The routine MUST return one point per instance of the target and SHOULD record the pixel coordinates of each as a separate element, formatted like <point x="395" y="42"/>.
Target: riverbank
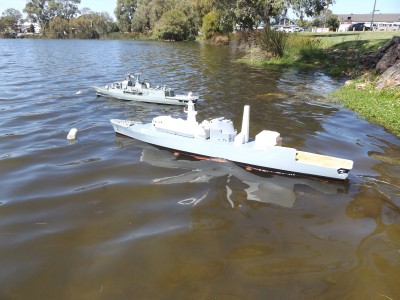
<point x="362" y="93"/>
<point x="343" y="54"/>
<point x="378" y="107"/>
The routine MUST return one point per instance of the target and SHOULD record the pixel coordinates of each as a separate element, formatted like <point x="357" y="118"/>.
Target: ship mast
<point x="243" y="136"/>
<point x="191" y="112"/>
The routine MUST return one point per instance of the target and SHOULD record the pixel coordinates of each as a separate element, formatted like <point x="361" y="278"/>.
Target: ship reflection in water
<point x="271" y="189"/>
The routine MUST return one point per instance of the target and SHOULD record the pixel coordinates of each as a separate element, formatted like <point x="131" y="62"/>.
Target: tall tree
<point x="309" y="8"/>
<point x="91" y="25"/>
<point x="41" y="11"/>
<point x="67" y="9"/>
<point x="124" y="12"/>
<point x="58" y="28"/>
<point x="141" y="20"/>
<point x="10" y="18"/>
<point x="103" y="23"/>
<point x="148" y="13"/>
<point x="250" y="11"/>
<point x="173" y="25"/>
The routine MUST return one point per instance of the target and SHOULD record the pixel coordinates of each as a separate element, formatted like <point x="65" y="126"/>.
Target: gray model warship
<point x="132" y="89"/>
<point x="218" y="140"/>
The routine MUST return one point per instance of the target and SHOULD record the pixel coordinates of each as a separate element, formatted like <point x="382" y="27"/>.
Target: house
<point x="285" y="21"/>
<point x="380" y="21"/>
<point x="28" y="27"/>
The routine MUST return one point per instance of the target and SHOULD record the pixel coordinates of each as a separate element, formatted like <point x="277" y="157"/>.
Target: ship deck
<point x="324" y="160"/>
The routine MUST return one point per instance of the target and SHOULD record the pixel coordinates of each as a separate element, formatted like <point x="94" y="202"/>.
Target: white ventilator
<point x="243" y="136"/>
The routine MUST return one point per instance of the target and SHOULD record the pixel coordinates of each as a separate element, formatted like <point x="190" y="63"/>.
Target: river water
<point x="106" y="217"/>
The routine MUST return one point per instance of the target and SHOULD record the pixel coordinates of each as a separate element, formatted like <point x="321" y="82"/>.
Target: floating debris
<point x="72" y="134"/>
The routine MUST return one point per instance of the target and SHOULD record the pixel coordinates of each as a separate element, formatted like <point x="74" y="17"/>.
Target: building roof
<point x="360" y="18"/>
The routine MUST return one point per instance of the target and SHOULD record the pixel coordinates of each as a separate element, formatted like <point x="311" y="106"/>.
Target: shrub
<point x="244" y="39"/>
<point x="307" y="48"/>
<point x="273" y="41"/>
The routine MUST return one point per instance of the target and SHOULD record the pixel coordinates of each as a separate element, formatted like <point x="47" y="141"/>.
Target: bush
<point x="244" y="39"/>
<point x="174" y="25"/>
<point x="82" y="28"/>
<point x="9" y="35"/>
<point x="274" y="41"/>
<point x="307" y="48"/>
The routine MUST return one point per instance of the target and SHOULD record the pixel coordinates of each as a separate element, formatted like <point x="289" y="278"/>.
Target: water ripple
<point x="114" y="217"/>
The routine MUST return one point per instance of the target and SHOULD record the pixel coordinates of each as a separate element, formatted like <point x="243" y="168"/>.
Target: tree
<point x="173" y="26"/>
<point x="246" y="13"/>
<point x="301" y="22"/>
<point x="326" y="19"/>
<point x="141" y="19"/>
<point x="188" y="8"/>
<point x="81" y="27"/>
<point x="91" y="25"/>
<point x="154" y="10"/>
<point x="102" y="23"/>
<point x="124" y="12"/>
<point x="309" y="8"/>
<point x="59" y="27"/>
<point x="203" y="7"/>
<point x="213" y="23"/>
<point x="249" y="12"/>
<point x="10" y="19"/>
<point x="333" y="22"/>
<point x="86" y="11"/>
<point x="149" y="12"/>
<point x="67" y="9"/>
<point x="317" y="22"/>
<point x="210" y="24"/>
<point x="41" y="11"/>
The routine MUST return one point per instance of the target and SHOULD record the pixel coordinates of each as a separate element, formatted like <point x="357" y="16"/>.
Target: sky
<point x="341" y="6"/>
<point x="365" y="6"/>
<point x="94" y="5"/>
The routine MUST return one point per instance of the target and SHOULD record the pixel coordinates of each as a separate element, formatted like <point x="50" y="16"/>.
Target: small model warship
<point x="217" y="139"/>
<point x="132" y="89"/>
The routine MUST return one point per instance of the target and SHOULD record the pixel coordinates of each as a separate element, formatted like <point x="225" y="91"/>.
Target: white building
<point x="25" y="27"/>
<point x="380" y="21"/>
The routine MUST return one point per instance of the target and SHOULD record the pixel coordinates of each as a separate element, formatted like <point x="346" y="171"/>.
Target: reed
<point x="274" y="42"/>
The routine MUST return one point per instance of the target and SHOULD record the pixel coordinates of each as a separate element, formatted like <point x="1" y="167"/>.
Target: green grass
<point x="335" y="39"/>
<point x="346" y="52"/>
<point x="379" y="107"/>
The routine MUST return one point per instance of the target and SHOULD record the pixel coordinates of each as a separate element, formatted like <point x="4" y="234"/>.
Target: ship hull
<point x="276" y="159"/>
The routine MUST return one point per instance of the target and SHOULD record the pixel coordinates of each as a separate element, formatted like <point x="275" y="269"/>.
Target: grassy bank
<point x="378" y="107"/>
<point x="343" y="54"/>
<point x="346" y="53"/>
<point x="339" y="53"/>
